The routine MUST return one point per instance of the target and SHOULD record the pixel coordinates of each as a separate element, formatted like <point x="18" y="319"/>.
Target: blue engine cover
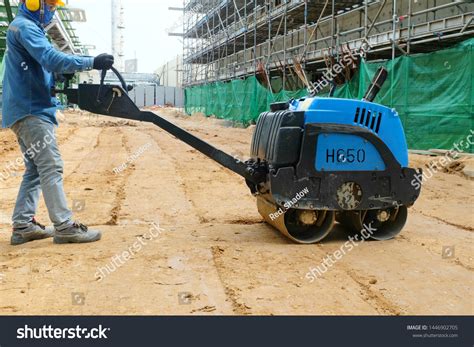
<point x="343" y="152"/>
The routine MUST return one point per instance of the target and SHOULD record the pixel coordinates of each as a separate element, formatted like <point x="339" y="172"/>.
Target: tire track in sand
<point x="94" y="147"/>
<point x="238" y="307"/>
<point x="120" y="194"/>
<point x="375" y="299"/>
<point x="206" y="183"/>
<point x="92" y="165"/>
<point x="464" y="227"/>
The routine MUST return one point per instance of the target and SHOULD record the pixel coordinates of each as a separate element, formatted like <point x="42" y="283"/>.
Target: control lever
<point x="125" y="87"/>
<point x="122" y="80"/>
<point x="102" y="80"/>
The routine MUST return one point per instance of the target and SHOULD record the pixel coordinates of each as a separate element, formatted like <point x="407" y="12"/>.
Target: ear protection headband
<point x="34" y="5"/>
<point x="41" y="5"/>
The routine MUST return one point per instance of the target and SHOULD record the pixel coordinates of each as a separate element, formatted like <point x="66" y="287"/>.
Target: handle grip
<point x="103" y="74"/>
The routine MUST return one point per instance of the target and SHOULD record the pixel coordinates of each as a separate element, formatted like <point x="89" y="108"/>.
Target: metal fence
<point x="149" y="95"/>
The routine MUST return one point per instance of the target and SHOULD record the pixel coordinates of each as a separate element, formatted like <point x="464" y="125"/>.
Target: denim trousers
<point x="44" y="170"/>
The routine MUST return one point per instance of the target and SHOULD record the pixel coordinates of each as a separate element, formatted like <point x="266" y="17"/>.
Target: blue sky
<point x="146" y="23"/>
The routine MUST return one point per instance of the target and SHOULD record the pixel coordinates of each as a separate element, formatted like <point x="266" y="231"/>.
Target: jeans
<point x="44" y="172"/>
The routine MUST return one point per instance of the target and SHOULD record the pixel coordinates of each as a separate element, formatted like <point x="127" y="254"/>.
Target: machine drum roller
<point x="313" y="161"/>
<point x="350" y="157"/>
<point x="387" y="222"/>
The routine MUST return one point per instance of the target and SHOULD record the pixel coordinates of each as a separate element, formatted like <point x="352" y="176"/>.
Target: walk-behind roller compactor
<point x="313" y="161"/>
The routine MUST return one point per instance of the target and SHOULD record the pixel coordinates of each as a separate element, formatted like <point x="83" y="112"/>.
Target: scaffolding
<point x="289" y="43"/>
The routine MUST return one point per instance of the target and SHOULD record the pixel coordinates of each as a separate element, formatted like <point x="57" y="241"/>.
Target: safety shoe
<point x="76" y="233"/>
<point x="35" y="231"/>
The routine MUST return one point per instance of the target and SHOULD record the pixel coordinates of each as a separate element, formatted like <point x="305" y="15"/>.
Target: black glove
<point x="103" y="62"/>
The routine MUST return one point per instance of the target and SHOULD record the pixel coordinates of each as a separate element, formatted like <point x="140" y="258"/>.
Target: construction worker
<point x="30" y="111"/>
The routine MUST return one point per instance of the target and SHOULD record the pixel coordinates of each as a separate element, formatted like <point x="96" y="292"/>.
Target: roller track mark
<point x="463" y="227"/>
<point x="238" y="307"/>
<point x="374" y="298"/>
<point x="467" y="267"/>
<point x="244" y="221"/>
<point x="196" y="131"/>
<point x="96" y="145"/>
<point x="187" y="186"/>
<point x="456" y="261"/>
<point x="120" y="195"/>
<point x="61" y="139"/>
<point x="184" y="185"/>
<point x="115" y="212"/>
<point x="114" y="179"/>
<point x="9" y="309"/>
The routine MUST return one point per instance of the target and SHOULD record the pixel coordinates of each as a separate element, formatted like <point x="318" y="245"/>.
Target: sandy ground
<point x="198" y="245"/>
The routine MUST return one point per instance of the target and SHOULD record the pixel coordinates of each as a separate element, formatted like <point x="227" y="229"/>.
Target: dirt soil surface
<point x="182" y="235"/>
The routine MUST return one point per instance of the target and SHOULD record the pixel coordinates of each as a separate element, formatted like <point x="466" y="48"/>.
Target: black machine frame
<point x="382" y="189"/>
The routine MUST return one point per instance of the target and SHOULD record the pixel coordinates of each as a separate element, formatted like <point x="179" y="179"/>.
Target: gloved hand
<point x="103" y="62"/>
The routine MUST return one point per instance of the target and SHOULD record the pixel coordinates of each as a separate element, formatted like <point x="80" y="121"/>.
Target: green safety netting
<point x="433" y="93"/>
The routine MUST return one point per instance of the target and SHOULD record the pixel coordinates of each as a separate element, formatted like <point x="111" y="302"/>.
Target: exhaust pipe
<point x="376" y="85"/>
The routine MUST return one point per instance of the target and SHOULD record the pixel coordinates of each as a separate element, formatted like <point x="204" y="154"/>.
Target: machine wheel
<point x="308" y="226"/>
<point x="301" y="226"/>
<point x="387" y="223"/>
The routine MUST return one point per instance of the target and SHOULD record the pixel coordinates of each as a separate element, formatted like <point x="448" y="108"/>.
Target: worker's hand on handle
<point x="103" y="62"/>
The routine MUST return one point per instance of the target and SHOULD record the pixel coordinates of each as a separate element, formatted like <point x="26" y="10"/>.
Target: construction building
<point x="171" y="73"/>
<point x="242" y="55"/>
<point x="230" y="39"/>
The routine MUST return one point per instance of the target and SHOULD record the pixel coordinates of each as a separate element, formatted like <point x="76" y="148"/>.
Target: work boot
<point x="76" y="233"/>
<point x="35" y="231"/>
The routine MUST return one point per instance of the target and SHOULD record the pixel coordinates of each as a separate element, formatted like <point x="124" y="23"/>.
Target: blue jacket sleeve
<point x="38" y="46"/>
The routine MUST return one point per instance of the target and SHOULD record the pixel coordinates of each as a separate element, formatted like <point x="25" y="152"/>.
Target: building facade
<point x="296" y="40"/>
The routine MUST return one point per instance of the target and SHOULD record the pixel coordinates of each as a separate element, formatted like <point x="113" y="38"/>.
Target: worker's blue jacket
<point x="30" y="60"/>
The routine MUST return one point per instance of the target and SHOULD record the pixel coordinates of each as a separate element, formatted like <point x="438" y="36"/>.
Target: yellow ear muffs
<point x="33" y="5"/>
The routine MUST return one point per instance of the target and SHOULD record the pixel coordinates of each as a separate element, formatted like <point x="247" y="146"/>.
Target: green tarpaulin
<point x="433" y="93"/>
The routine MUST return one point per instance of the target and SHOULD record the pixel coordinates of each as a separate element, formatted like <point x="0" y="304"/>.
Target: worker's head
<point x="42" y="10"/>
